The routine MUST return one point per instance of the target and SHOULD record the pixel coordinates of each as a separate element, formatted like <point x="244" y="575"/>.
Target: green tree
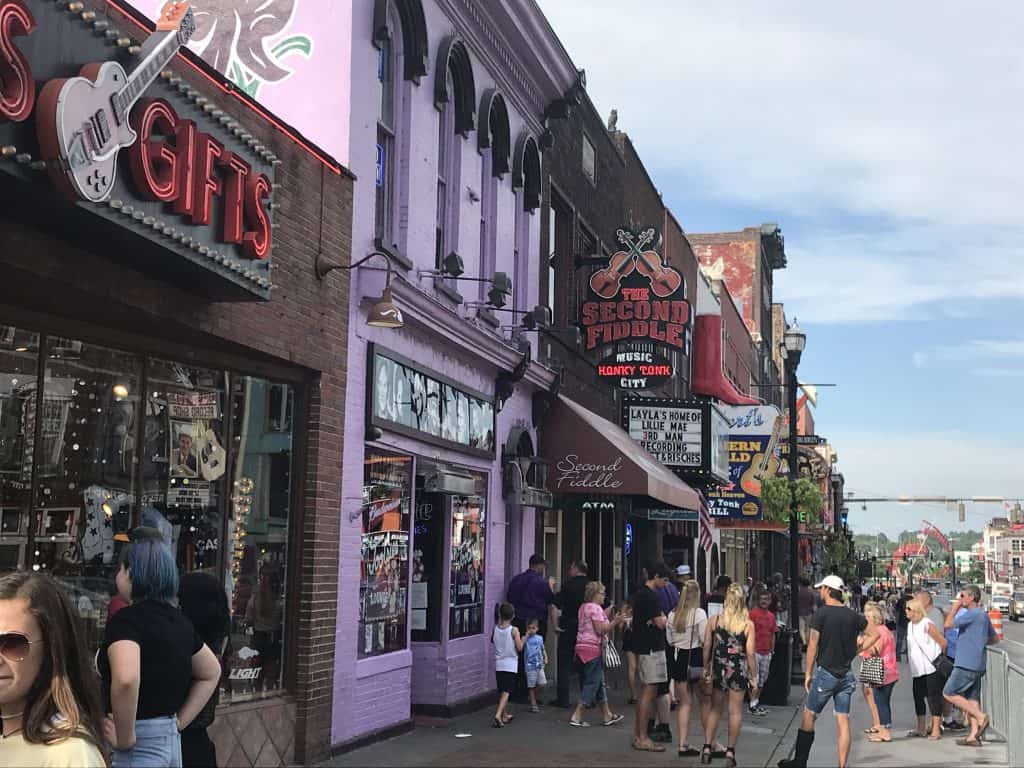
<point x="776" y="500"/>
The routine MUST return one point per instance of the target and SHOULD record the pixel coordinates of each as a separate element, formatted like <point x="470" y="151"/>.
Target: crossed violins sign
<point x="636" y="298"/>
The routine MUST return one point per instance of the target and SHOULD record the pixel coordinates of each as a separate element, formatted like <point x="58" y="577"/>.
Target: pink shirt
<point x="886" y="648"/>
<point x="588" y="642"/>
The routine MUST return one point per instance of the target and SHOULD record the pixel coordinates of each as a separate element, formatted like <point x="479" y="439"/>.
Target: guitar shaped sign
<point x="83" y="121"/>
<point x="763" y="465"/>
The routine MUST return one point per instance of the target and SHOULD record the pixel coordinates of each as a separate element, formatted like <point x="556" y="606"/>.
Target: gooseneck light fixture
<point x="384" y="313"/>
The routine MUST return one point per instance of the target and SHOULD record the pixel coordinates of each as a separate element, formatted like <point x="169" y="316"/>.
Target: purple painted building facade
<point x="448" y="103"/>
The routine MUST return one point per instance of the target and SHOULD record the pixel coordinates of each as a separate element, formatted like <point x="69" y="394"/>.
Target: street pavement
<point x="546" y="739"/>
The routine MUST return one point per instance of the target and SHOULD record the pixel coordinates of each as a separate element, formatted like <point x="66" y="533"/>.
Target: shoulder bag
<point x="942" y="663"/>
<point x="609" y="653"/>
<point x="872" y="670"/>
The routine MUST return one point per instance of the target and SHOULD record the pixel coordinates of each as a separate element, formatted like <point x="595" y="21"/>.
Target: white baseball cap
<point x="832" y="582"/>
<point x="683" y="570"/>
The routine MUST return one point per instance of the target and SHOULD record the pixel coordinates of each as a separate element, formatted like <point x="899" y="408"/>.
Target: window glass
<point x="185" y="462"/>
<point x="19" y="358"/>
<point x="257" y="527"/>
<point x="86" y="471"/>
<point x="466" y="598"/>
<point x="384" y="574"/>
<point x="589" y="160"/>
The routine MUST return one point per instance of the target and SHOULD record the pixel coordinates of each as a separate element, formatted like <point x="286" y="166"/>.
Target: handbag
<point x="872" y="671"/>
<point x="943" y="665"/>
<point x="610" y="653"/>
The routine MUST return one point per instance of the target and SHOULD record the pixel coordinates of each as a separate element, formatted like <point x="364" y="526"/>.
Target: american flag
<point x="705" y="525"/>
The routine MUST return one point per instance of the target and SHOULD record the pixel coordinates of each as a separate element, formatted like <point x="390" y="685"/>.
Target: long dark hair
<point x="64" y="700"/>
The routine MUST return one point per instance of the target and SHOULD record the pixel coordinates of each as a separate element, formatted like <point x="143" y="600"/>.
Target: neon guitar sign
<point x="84" y="121"/>
<point x="636" y="297"/>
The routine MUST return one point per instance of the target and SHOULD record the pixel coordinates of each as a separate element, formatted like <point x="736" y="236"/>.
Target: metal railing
<point x="1002" y="698"/>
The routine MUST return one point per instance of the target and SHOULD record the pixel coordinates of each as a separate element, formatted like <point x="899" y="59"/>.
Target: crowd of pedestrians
<point x="708" y="654"/>
<point x="149" y="693"/>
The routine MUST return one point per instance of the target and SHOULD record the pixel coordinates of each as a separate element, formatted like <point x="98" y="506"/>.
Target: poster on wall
<point x="466" y="586"/>
<point x="278" y="52"/>
<point x="754" y="433"/>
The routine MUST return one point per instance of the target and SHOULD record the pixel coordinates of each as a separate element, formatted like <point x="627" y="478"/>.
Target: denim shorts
<point x="964" y="682"/>
<point x="825" y="686"/>
<point x="157" y="745"/>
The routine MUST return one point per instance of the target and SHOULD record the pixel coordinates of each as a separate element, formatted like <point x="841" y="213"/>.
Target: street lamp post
<point x="793" y="344"/>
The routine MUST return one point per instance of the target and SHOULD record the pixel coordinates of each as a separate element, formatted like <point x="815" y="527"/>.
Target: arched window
<point x="400" y="36"/>
<point x="494" y="130"/>
<point x="455" y="99"/>
<point x="526" y="180"/>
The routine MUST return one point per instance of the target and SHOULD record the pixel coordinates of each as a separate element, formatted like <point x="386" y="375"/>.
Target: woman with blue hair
<point x="157" y="672"/>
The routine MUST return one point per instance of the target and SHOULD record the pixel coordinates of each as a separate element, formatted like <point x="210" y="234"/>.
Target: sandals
<point x="915" y="735"/>
<point x="648" y="746"/>
<point x="497" y="723"/>
<point x="981" y="731"/>
<point x="705" y="755"/>
<point x="880" y="740"/>
<point x="969" y="742"/>
<point x="614" y="719"/>
<point x="730" y="757"/>
<point x="871" y="730"/>
<point x="687" y="751"/>
<point x="579" y="723"/>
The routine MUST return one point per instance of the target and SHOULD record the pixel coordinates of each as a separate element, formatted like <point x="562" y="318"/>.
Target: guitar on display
<point x="84" y="121"/>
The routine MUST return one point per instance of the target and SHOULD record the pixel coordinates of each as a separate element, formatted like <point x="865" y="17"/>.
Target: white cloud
<point x="898" y="116"/>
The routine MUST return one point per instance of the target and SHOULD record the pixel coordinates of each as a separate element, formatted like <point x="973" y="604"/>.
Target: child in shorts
<point x="507" y="647"/>
<point x="535" y="658"/>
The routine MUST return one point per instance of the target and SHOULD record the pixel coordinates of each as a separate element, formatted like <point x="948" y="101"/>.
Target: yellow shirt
<point x="69" y="753"/>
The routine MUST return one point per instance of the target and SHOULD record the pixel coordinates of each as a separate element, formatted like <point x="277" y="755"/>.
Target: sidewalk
<point x="902" y="751"/>
<point x="546" y="739"/>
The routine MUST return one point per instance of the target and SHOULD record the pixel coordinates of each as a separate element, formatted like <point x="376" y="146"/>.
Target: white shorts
<point x="536" y="678"/>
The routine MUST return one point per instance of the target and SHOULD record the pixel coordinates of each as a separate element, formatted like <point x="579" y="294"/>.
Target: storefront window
<point x="384" y="575"/>
<point x="258" y="529"/>
<point x="19" y="360"/>
<point x="204" y="455"/>
<point x="466" y="598"/>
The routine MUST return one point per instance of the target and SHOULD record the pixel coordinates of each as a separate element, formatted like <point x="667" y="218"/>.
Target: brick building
<point x="175" y="360"/>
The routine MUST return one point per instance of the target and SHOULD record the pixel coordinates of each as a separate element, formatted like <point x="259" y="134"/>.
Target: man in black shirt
<point x="569" y="600"/>
<point x="649" y="645"/>
<point x="837" y="635"/>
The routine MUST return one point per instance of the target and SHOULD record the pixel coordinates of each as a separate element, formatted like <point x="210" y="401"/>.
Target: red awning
<point x="708" y="378"/>
<point x="591" y="455"/>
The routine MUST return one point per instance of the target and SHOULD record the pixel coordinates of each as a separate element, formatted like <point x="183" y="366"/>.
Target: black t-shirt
<point x="647" y="638"/>
<point x="838" y="628"/>
<point x="569" y="599"/>
<point x="167" y="642"/>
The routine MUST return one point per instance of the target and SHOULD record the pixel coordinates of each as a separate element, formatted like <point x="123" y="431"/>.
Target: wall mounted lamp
<point x="385" y="313"/>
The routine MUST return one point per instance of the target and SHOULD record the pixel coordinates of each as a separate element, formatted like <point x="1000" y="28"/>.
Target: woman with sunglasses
<point x="49" y="696"/>
<point x="156" y="670"/>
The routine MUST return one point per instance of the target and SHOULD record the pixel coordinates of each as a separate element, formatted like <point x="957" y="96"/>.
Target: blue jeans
<point x="826" y="686"/>
<point x="883" y="696"/>
<point x="157" y="745"/>
<point x="593" y="690"/>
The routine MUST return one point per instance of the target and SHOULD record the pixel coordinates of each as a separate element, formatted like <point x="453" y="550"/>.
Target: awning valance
<point x="590" y="455"/>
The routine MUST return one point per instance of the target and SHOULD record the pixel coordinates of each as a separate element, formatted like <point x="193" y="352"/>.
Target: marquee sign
<point x="754" y="433"/>
<point x="144" y="157"/>
<point x="636" y="298"/>
<point x="690" y="437"/>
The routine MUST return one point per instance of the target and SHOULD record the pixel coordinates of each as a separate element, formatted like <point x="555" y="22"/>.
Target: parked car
<point x="1017" y="606"/>
<point x="1002" y="603"/>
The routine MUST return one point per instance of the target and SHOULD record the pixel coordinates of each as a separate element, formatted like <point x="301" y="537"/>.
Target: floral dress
<point x="729" y="660"/>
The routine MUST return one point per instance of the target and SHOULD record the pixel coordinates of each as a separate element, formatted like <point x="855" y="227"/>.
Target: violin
<point x="664" y="280"/>
<point x="606" y="282"/>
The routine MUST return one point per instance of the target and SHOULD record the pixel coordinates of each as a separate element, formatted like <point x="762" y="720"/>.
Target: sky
<point x="886" y="140"/>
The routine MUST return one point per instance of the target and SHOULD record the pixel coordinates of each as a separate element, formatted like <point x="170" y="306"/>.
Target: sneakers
<point x="534" y="708"/>
<point x="579" y="723"/>
<point x="758" y="711"/>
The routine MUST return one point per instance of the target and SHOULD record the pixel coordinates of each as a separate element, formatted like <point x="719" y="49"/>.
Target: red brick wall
<point x="73" y="285"/>
<point x="739" y="253"/>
